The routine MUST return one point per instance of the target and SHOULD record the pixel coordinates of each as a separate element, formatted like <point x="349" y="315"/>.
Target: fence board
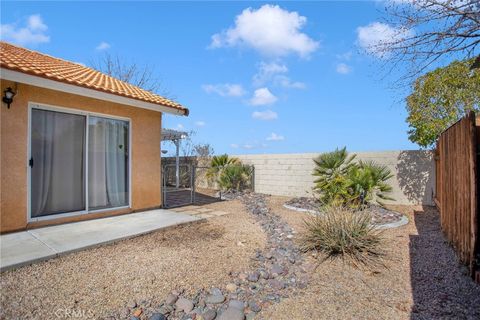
<point x="456" y="188"/>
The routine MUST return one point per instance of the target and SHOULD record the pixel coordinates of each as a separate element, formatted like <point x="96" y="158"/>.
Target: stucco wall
<point x="291" y="174"/>
<point x="145" y="128"/>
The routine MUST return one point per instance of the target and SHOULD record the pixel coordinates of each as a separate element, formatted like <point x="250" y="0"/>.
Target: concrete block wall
<point x="291" y="174"/>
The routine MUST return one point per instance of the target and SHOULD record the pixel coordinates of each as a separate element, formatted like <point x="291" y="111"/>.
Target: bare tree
<point x="427" y="31"/>
<point x="139" y="75"/>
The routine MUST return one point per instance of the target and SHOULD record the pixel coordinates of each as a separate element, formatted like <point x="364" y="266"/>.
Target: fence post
<point x="253" y="178"/>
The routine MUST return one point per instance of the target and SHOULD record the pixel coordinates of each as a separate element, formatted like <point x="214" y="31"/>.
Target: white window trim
<point x="87" y="114"/>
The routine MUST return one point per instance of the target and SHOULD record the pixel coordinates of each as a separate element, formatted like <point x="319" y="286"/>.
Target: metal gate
<point x="178" y="190"/>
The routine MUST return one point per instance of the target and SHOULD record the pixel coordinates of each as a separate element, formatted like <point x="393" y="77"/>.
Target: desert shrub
<point x="342" y="182"/>
<point x="229" y="173"/>
<point x="331" y="181"/>
<point x="368" y="183"/>
<point x="218" y="163"/>
<point x="234" y="177"/>
<point x="344" y="233"/>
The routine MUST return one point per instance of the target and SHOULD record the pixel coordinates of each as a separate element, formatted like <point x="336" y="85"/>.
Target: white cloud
<point x="270" y="30"/>
<point x="180" y="126"/>
<point x="200" y="123"/>
<point x="375" y="37"/>
<point x="262" y="97"/>
<point x="275" y="137"/>
<point x="275" y="73"/>
<point x="285" y="82"/>
<point x="265" y="115"/>
<point x="248" y="146"/>
<point x="225" y="89"/>
<point x="103" y="46"/>
<point x="267" y="71"/>
<point x="234" y="146"/>
<point x="343" y="68"/>
<point x="34" y="31"/>
<point x="345" y="56"/>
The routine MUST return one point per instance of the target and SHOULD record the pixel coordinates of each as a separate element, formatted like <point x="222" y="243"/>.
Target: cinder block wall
<point x="291" y="174"/>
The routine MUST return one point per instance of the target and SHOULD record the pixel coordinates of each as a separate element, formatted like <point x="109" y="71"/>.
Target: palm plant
<point x="372" y="182"/>
<point x="234" y="177"/>
<point x="342" y="182"/>
<point x="218" y="163"/>
<point x="331" y="169"/>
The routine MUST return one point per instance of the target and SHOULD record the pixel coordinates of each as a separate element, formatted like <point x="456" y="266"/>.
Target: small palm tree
<point x="234" y="177"/>
<point x="331" y="169"/>
<point x="217" y="165"/>
<point x="368" y="183"/>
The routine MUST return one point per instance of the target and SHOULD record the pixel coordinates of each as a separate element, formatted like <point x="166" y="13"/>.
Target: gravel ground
<point x="106" y="278"/>
<point x="423" y="279"/>
<point x="379" y="214"/>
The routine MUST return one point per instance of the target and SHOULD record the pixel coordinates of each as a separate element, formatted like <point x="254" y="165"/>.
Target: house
<point x="76" y="144"/>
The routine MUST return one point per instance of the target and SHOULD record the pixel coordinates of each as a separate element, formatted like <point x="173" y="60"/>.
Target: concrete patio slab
<point x="22" y="248"/>
<point x="26" y="247"/>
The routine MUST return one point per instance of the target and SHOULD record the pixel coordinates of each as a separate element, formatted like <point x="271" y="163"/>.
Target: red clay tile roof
<point x="45" y="66"/>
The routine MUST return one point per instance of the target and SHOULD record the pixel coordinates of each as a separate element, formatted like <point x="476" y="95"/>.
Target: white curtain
<point x="108" y="163"/>
<point x="57" y="150"/>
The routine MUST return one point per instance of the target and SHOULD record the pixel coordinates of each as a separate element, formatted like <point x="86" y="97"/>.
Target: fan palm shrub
<point x="218" y="163"/>
<point x="368" y="183"/>
<point x="342" y="182"/>
<point x="331" y="181"/>
<point x="234" y="177"/>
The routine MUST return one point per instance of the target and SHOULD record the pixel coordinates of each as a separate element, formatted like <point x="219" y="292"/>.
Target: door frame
<point x="42" y="106"/>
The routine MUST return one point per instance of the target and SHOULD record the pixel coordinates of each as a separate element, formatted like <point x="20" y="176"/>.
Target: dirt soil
<point x="107" y="278"/>
<point x="423" y="279"/>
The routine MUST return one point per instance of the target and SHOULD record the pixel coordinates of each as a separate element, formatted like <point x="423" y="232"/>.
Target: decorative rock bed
<point x="382" y="218"/>
<point x="275" y="271"/>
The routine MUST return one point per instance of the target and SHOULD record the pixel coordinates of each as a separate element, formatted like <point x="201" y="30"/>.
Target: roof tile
<point x="38" y="64"/>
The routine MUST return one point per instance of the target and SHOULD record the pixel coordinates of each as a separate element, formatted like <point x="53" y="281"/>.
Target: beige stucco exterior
<point x="145" y="126"/>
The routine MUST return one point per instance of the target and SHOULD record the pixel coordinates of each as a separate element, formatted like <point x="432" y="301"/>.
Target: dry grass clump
<point x="344" y="233"/>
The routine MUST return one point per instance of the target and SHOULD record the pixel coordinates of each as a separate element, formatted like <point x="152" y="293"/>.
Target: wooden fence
<point x="457" y="189"/>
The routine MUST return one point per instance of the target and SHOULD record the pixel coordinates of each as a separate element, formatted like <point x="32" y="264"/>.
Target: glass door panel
<point x="108" y="175"/>
<point x="57" y="163"/>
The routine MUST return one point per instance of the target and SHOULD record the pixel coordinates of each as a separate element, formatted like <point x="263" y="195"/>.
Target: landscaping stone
<point x="210" y="314"/>
<point x="254" y="306"/>
<point x="380" y="216"/>
<point x="276" y="284"/>
<point x="171" y="299"/>
<point x="278" y="267"/>
<point x="137" y="312"/>
<point x="157" y="316"/>
<point x="214" y="299"/>
<point x="236" y="304"/>
<point x="232" y="314"/>
<point x="253" y="277"/>
<point x="184" y="304"/>
<point x="216" y="292"/>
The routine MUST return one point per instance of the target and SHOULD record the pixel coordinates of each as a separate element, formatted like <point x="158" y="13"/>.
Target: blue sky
<point x="302" y="83"/>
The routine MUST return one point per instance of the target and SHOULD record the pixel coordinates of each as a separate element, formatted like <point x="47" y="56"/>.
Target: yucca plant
<point x="331" y="170"/>
<point x="344" y="233"/>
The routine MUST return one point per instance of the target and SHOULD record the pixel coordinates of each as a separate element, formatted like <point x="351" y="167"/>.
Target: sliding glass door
<point x="107" y="163"/>
<point x="57" y="162"/>
<point x="79" y="163"/>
